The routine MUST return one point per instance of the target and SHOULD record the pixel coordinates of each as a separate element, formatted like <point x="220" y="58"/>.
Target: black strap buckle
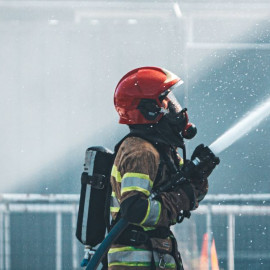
<point x="183" y="214"/>
<point x="97" y="181"/>
<point x="138" y="237"/>
<point x="161" y="263"/>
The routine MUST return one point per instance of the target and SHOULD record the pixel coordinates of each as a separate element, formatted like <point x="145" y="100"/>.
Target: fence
<point x="34" y="203"/>
<point x="40" y="230"/>
<point x="244" y="208"/>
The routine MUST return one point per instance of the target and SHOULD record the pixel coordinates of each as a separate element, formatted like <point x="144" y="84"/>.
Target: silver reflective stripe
<point x="136" y="182"/>
<point x="153" y="213"/>
<point x="130" y="256"/>
<point x="85" y="211"/>
<point x="89" y="161"/>
<point x="114" y="202"/>
<point x="133" y="256"/>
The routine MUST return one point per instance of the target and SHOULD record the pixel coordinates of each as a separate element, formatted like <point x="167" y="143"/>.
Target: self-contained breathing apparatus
<point x="93" y="213"/>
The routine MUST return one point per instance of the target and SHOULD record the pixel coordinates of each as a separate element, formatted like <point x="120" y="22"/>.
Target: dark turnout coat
<point x="134" y="174"/>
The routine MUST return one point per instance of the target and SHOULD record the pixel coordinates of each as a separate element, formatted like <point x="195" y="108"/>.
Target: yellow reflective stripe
<point x="126" y="189"/>
<point x="145" y="228"/>
<point x="170" y="265"/>
<point x="113" y="194"/>
<point x="116" y="174"/>
<point x="181" y="163"/>
<point x="147" y="212"/>
<point x="113" y="250"/>
<point x="167" y="265"/>
<point x="130" y="263"/>
<point x="148" y="228"/>
<point x="139" y="175"/>
<point x="114" y="209"/>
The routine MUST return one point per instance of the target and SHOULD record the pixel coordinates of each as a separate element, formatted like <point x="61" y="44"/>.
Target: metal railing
<point x="60" y="204"/>
<point x="231" y="210"/>
<point x="57" y="204"/>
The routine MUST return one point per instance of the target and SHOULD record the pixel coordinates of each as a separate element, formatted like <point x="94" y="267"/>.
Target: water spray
<point x="236" y="132"/>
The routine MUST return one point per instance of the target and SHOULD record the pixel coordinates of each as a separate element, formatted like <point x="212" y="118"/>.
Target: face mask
<point x="178" y="117"/>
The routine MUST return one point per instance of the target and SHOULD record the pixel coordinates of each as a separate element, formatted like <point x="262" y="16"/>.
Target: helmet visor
<point x="173" y="104"/>
<point x="170" y="104"/>
<point x="174" y="112"/>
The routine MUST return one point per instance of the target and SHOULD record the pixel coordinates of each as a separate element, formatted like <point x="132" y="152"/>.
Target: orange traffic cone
<point x="214" y="258"/>
<point x="204" y="255"/>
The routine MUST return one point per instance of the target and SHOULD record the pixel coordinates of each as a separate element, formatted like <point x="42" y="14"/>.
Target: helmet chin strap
<point x="179" y="144"/>
<point x="170" y="136"/>
<point x="160" y="133"/>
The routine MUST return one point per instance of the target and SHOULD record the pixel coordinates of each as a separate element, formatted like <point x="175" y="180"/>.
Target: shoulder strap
<point x="117" y="146"/>
<point x="164" y="159"/>
<point x="107" y="206"/>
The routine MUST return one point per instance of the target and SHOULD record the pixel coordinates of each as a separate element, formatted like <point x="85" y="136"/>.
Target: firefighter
<point x="146" y="159"/>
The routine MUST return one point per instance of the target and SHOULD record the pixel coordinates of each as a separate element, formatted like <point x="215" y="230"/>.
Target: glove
<point x="88" y="253"/>
<point x="200" y="188"/>
<point x="208" y="162"/>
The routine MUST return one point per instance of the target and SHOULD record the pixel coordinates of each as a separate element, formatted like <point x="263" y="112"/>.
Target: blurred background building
<point x="59" y="64"/>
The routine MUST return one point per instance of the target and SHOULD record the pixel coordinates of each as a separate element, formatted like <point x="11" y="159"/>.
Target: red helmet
<point x="138" y="95"/>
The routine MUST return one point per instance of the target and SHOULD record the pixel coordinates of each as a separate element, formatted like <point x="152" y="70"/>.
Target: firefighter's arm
<point x="138" y="171"/>
<point x="162" y="211"/>
<point x="200" y="187"/>
<point x="184" y="197"/>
